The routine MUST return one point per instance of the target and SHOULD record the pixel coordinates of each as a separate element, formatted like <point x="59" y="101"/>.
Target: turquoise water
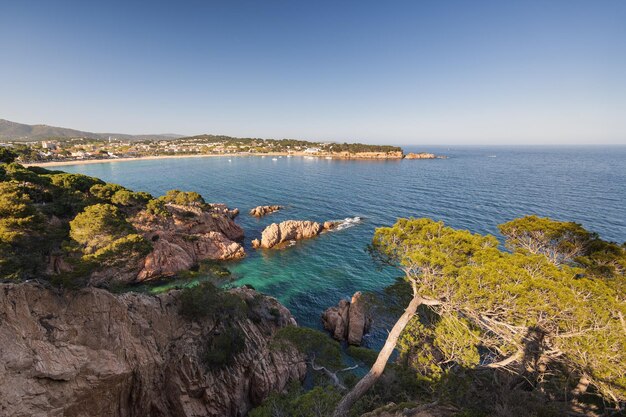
<point x="476" y="188"/>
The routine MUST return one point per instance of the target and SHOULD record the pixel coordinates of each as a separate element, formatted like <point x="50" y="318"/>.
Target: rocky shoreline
<point x="92" y="353"/>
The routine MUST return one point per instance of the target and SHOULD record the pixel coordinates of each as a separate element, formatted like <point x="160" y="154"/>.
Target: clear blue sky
<point x="438" y="72"/>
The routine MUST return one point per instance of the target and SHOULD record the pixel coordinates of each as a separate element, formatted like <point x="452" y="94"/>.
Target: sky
<point x="415" y="72"/>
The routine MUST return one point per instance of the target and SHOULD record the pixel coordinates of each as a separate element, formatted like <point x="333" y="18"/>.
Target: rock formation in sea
<point x="421" y="155"/>
<point x="276" y="234"/>
<point x="261" y="211"/>
<point x="349" y="320"/>
<point x="90" y="353"/>
<point x="189" y="235"/>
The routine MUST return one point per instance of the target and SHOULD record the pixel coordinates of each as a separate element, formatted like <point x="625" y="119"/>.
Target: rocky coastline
<point x="92" y="353"/>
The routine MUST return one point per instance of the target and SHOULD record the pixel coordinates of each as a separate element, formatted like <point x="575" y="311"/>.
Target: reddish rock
<point x="189" y="235"/>
<point x="349" y="320"/>
<point x="261" y="211"/>
<point x="276" y="233"/>
<point x="92" y="353"/>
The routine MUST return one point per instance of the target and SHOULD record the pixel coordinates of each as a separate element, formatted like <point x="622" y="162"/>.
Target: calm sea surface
<point x="476" y="188"/>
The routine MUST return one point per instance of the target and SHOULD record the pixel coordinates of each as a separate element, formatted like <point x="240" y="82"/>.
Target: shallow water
<point x="476" y="188"/>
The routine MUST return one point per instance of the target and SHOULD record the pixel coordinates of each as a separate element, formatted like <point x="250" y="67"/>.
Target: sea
<point x="474" y="188"/>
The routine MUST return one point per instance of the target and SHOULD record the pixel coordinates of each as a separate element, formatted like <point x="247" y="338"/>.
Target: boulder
<point x="349" y="320"/>
<point x="277" y="233"/>
<point x="261" y="211"/>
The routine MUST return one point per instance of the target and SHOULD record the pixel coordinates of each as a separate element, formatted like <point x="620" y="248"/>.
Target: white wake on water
<point x="347" y="222"/>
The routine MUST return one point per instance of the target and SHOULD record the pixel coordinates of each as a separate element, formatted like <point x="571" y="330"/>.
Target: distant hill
<point x="22" y="132"/>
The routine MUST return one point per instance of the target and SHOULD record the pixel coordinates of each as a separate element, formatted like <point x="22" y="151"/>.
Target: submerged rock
<point x="92" y="353"/>
<point x="349" y="320"/>
<point x="278" y="233"/>
<point x="261" y="211"/>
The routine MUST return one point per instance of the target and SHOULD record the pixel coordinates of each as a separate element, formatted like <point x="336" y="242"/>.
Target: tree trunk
<point x="379" y="366"/>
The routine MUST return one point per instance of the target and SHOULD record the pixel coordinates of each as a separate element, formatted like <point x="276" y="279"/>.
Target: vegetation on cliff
<point x="65" y="227"/>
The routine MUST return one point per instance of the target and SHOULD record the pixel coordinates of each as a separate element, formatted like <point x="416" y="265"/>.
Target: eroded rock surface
<point x="90" y="353"/>
<point x="261" y="211"/>
<point x="278" y="233"/>
<point x="189" y="235"/>
<point x="349" y="320"/>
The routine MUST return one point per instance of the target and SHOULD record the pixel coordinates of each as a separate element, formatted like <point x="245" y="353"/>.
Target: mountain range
<point x="22" y="132"/>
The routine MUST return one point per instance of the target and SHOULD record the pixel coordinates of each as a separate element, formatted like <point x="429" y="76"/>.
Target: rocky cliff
<point x="91" y="353"/>
<point x="189" y="235"/>
<point x="349" y="320"/>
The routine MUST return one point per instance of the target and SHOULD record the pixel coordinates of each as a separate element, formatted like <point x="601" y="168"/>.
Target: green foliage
<point x="157" y="208"/>
<point x="604" y="259"/>
<point x="98" y="226"/>
<point x="313" y="343"/>
<point x="75" y="182"/>
<point x="19" y="173"/>
<point x="559" y="241"/>
<point x="124" y="250"/>
<point x="360" y="147"/>
<point x="20" y="228"/>
<point x="224" y="346"/>
<point x="427" y="250"/>
<point x="318" y="402"/>
<point x="525" y="305"/>
<point x="205" y="300"/>
<point x="6" y="155"/>
<point x="183" y="198"/>
<point x="365" y="355"/>
<point x="105" y="191"/>
<point x="129" y="198"/>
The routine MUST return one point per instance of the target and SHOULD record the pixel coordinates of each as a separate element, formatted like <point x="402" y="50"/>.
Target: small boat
<point x="491" y="156"/>
<point x="329" y="157"/>
<point x="289" y="156"/>
<point x="274" y="159"/>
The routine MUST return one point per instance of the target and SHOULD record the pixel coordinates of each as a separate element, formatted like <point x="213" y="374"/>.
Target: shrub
<point x="157" y="208"/>
<point x="223" y="347"/>
<point x="183" y="198"/>
<point x="313" y="343"/>
<point x="105" y="191"/>
<point x="6" y="155"/>
<point x="205" y="300"/>
<point x="77" y="182"/>
<point x="98" y="226"/>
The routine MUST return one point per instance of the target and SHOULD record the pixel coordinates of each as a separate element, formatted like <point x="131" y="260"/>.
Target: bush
<point x="76" y="182"/>
<point x="205" y="300"/>
<point x="105" y="191"/>
<point x="98" y="226"/>
<point x="157" y="207"/>
<point x="183" y="198"/>
<point x="313" y="343"/>
<point x="122" y="251"/>
<point x="6" y="155"/>
<point x="224" y="346"/>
